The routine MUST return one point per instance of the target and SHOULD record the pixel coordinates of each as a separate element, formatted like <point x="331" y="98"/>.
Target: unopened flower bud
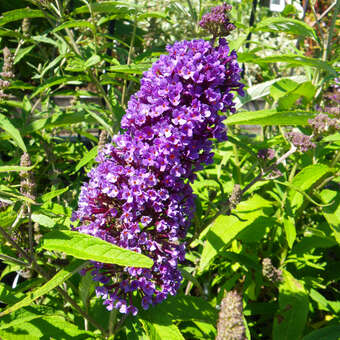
<point x="266" y="154"/>
<point x="322" y="124"/>
<point x="27" y="184"/>
<point x="7" y="68"/>
<point x="25" y="26"/>
<point x="235" y="197"/>
<point x="269" y="272"/>
<point x="230" y="324"/>
<point x="102" y="139"/>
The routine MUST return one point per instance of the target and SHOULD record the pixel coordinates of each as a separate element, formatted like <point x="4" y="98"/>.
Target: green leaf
<point x="56" y="81"/>
<point x="8" y="192"/>
<point x="263" y="89"/>
<point x="184" y="308"/>
<point x="99" y="119"/>
<point x="270" y="117"/>
<point x="9" y="168"/>
<point x="94" y="60"/>
<point x="326" y="333"/>
<point x="304" y="180"/>
<point x="288" y="58"/>
<point x="225" y="228"/>
<point x="158" y="15"/>
<point x="7" y="217"/>
<point x="43" y="220"/>
<point x="89" y="156"/>
<point x="132" y="68"/>
<point x="306" y="89"/>
<point x="114" y="7"/>
<point x="45" y="327"/>
<point x="281" y="87"/>
<point x="159" y="326"/>
<point x="57" y="280"/>
<point x="12" y="131"/>
<point x="8" y="296"/>
<point x="290" y="320"/>
<point x="287" y="25"/>
<point x="19" y="14"/>
<point x="88" y="247"/>
<point x="50" y="195"/>
<point x="74" y="23"/>
<point x="86" y="288"/>
<point x="332" y="212"/>
<point x="290" y="230"/>
<point x="22" y="52"/>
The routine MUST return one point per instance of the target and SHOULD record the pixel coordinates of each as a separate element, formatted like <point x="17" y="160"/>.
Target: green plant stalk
<point x="128" y="62"/>
<point x="327" y="45"/>
<point x="112" y="321"/>
<point x="237" y="164"/>
<point x="42" y="272"/>
<point x="330" y="31"/>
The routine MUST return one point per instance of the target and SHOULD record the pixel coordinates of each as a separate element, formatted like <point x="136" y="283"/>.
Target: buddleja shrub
<point x="183" y="228"/>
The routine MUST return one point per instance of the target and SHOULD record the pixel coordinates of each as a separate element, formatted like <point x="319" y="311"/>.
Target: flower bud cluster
<point x="217" y="21"/>
<point x="27" y="184"/>
<point x="139" y="196"/>
<point x="322" y="124"/>
<point x="301" y="141"/>
<point x="266" y="154"/>
<point x="7" y="72"/>
<point x="271" y="273"/>
<point x="25" y="26"/>
<point x="230" y="322"/>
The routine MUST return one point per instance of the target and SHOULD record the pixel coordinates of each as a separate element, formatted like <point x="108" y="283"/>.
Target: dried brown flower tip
<point x="27" y="184"/>
<point x="7" y="68"/>
<point x="271" y="273"/>
<point x="3" y="205"/>
<point x="102" y="139"/>
<point x="230" y="324"/>
<point x="266" y="154"/>
<point x="25" y="26"/>
<point x="235" y="197"/>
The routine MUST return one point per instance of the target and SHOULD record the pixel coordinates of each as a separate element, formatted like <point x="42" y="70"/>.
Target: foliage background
<point x="76" y="63"/>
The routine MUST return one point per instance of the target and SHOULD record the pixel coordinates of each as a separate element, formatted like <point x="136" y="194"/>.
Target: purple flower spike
<point x="139" y="197"/>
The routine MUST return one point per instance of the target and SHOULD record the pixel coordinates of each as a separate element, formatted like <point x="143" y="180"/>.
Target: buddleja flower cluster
<point x="139" y="196"/>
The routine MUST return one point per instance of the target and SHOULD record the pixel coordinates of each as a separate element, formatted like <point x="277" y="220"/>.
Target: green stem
<point x="330" y="31"/>
<point x="112" y="321"/>
<point x="128" y="62"/>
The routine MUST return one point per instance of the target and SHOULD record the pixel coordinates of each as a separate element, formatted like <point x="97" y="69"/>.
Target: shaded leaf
<point x="58" y="279"/>
<point x="12" y="131"/>
<point x="225" y="228"/>
<point x="290" y="319"/>
<point x="326" y="333"/>
<point x="19" y="14"/>
<point x="89" y="156"/>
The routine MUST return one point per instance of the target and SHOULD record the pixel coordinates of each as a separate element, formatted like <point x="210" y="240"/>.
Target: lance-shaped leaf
<point x="12" y="131"/>
<point x="88" y="247"/>
<point x="291" y="317"/>
<point x="270" y="117"/>
<point x="282" y="24"/>
<point x="57" y="279"/>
